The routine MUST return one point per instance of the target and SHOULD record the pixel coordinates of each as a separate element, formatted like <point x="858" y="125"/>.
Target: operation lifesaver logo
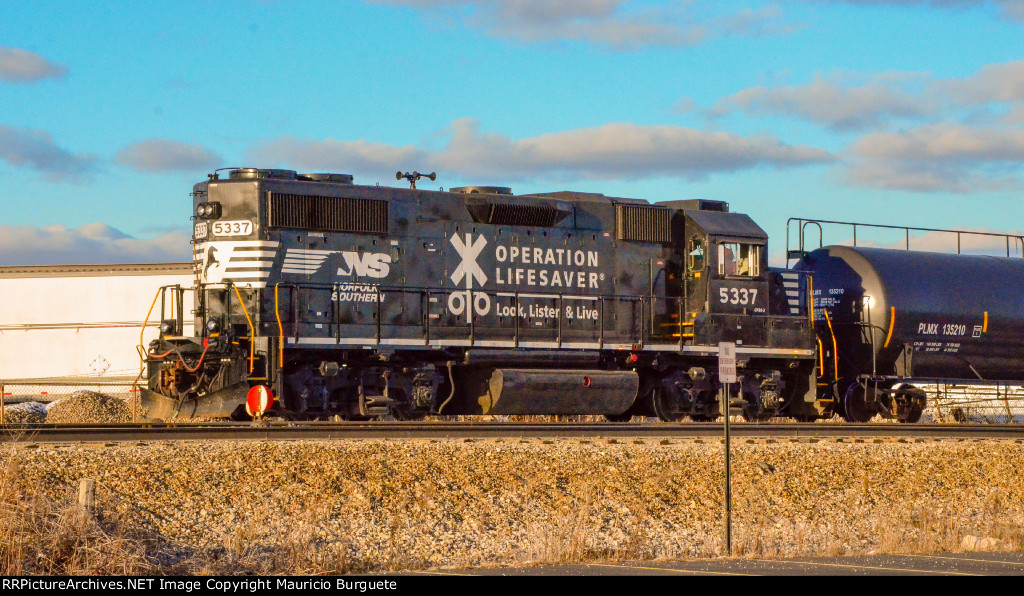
<point x="552" y="270"/>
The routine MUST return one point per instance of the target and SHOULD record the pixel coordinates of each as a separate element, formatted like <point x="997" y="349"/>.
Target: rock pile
<point x="25" y="413"/>
<point x="89" y="407"/>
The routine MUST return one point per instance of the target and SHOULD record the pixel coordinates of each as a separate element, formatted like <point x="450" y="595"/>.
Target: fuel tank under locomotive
<point x="920" y="315"/>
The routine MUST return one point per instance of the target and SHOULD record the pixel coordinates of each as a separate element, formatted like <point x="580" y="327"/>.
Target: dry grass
<point x="43" y="535"/>
<point x="40" y="535"/>
<point x="598" y="502"/>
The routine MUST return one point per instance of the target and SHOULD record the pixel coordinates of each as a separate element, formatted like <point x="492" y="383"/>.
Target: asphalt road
<point x="942" y="564"/>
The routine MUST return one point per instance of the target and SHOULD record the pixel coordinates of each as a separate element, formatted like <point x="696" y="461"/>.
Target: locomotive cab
<point x="726" y="259"/>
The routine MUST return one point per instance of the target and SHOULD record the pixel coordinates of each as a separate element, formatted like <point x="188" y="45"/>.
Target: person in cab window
<point x="743" y="264"/>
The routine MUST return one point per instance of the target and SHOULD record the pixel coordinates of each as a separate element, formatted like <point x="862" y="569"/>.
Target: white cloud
<point x="624" y="151"/>
<point x="24" y="147"/>
<point x="618" y="150"/>
<point x="1008" y="9"/>
<point x="831" y="103"/>
<point x="993" y="83"/>
<point x="163" y="155"/>
<point x="616" y="24"/>
<point x="941" y="157"/>
<point x="23" y="66"/>
<point x="848" y="101"/>
<point x="91" y="243"/>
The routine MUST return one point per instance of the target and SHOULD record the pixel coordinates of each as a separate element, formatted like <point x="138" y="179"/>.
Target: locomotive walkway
<point x="44" y="433"/>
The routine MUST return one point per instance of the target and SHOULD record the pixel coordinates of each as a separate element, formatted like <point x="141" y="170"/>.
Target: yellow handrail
<point x="280" y="327"/>
<point x="835" y="349"/>
<point x="892" y="323"/>
<point x="140" y="348"/>
<point x="821" y="357"/>
<point x="252" y="331"/>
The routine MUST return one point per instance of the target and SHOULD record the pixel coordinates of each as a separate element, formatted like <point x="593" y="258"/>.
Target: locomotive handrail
<point x="280" y="328"/>
<point x="641" y="320"/>
<point x="252" y="330"/>
<point x="802" y="224"/>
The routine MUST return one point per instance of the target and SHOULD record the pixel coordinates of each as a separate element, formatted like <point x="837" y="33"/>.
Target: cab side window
<point x="696" y="254"/>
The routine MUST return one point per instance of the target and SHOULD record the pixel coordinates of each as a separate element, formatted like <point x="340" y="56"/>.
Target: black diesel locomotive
<point x="335" y="299"/>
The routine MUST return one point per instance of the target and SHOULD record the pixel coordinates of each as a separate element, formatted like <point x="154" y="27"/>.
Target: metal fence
<point x="21" y="394"/>
<point x="992" y="404"/>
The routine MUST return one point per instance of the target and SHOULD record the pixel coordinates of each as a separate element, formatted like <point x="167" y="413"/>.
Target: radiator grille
<point x="523" y="215"/>
<point x="328" y="214"/>
<point x="643" y="224"/>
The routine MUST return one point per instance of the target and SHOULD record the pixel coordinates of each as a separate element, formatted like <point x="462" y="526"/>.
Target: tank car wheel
<point x="855" y="404"/>
<point x="624" y="417"/>
<point x="913" y="415"/>
<point x="913" y="403"/>
<point x="665" y="407"/>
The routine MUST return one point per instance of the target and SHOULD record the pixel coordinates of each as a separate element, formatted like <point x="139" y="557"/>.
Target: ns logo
<point x="367" y="264"/>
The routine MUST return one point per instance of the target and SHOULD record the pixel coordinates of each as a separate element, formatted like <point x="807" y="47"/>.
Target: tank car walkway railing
<point x="1014" y="242"/>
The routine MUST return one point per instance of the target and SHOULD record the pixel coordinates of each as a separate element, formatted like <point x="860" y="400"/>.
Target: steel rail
<point x="486" y="430"/>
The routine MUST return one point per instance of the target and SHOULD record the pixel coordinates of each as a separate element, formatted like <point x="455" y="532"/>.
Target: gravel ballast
<point x="389" y="505"/>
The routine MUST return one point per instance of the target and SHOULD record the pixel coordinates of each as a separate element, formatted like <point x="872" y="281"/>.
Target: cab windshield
<point x="735" y="258"/>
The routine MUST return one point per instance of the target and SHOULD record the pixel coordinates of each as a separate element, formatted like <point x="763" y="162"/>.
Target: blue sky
<point x="907" y="112"/>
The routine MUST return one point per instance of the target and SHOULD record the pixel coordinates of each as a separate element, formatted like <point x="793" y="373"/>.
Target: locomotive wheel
<point x="855" y="405"/>
<point x="704" y="417"/>
<point x="404" y="413"/>
<point x="665" y="407"/>
<point x="624" y="417"/>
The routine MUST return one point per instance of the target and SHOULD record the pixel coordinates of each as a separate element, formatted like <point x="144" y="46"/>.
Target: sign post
<point x="727" y="375"/>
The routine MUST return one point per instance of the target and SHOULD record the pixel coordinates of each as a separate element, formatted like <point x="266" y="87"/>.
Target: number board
<point x="232" y="228"/>
<point x="738" y="296"/>
<point x="727" y="362"/>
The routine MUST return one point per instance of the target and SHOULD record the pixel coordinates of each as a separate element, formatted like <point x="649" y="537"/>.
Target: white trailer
<point x="82" y="322"/>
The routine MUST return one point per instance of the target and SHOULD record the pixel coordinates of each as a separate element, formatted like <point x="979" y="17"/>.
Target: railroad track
<point x="486" y="430"/>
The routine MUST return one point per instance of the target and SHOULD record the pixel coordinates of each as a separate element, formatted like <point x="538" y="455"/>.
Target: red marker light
<point x="633" y="358"/>
<point x="586" y="381"/>
<point x="258" y="400"/>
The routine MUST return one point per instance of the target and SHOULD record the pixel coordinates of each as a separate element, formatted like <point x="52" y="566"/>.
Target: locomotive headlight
<point x="167" y="327"/>
<point x="208" y="210"/>
<point x="213" y="326"/>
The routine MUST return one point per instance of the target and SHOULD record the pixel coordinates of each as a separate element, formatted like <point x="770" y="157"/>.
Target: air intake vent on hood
<point x="328" y="214"/>
<point x="643" y="224"/>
